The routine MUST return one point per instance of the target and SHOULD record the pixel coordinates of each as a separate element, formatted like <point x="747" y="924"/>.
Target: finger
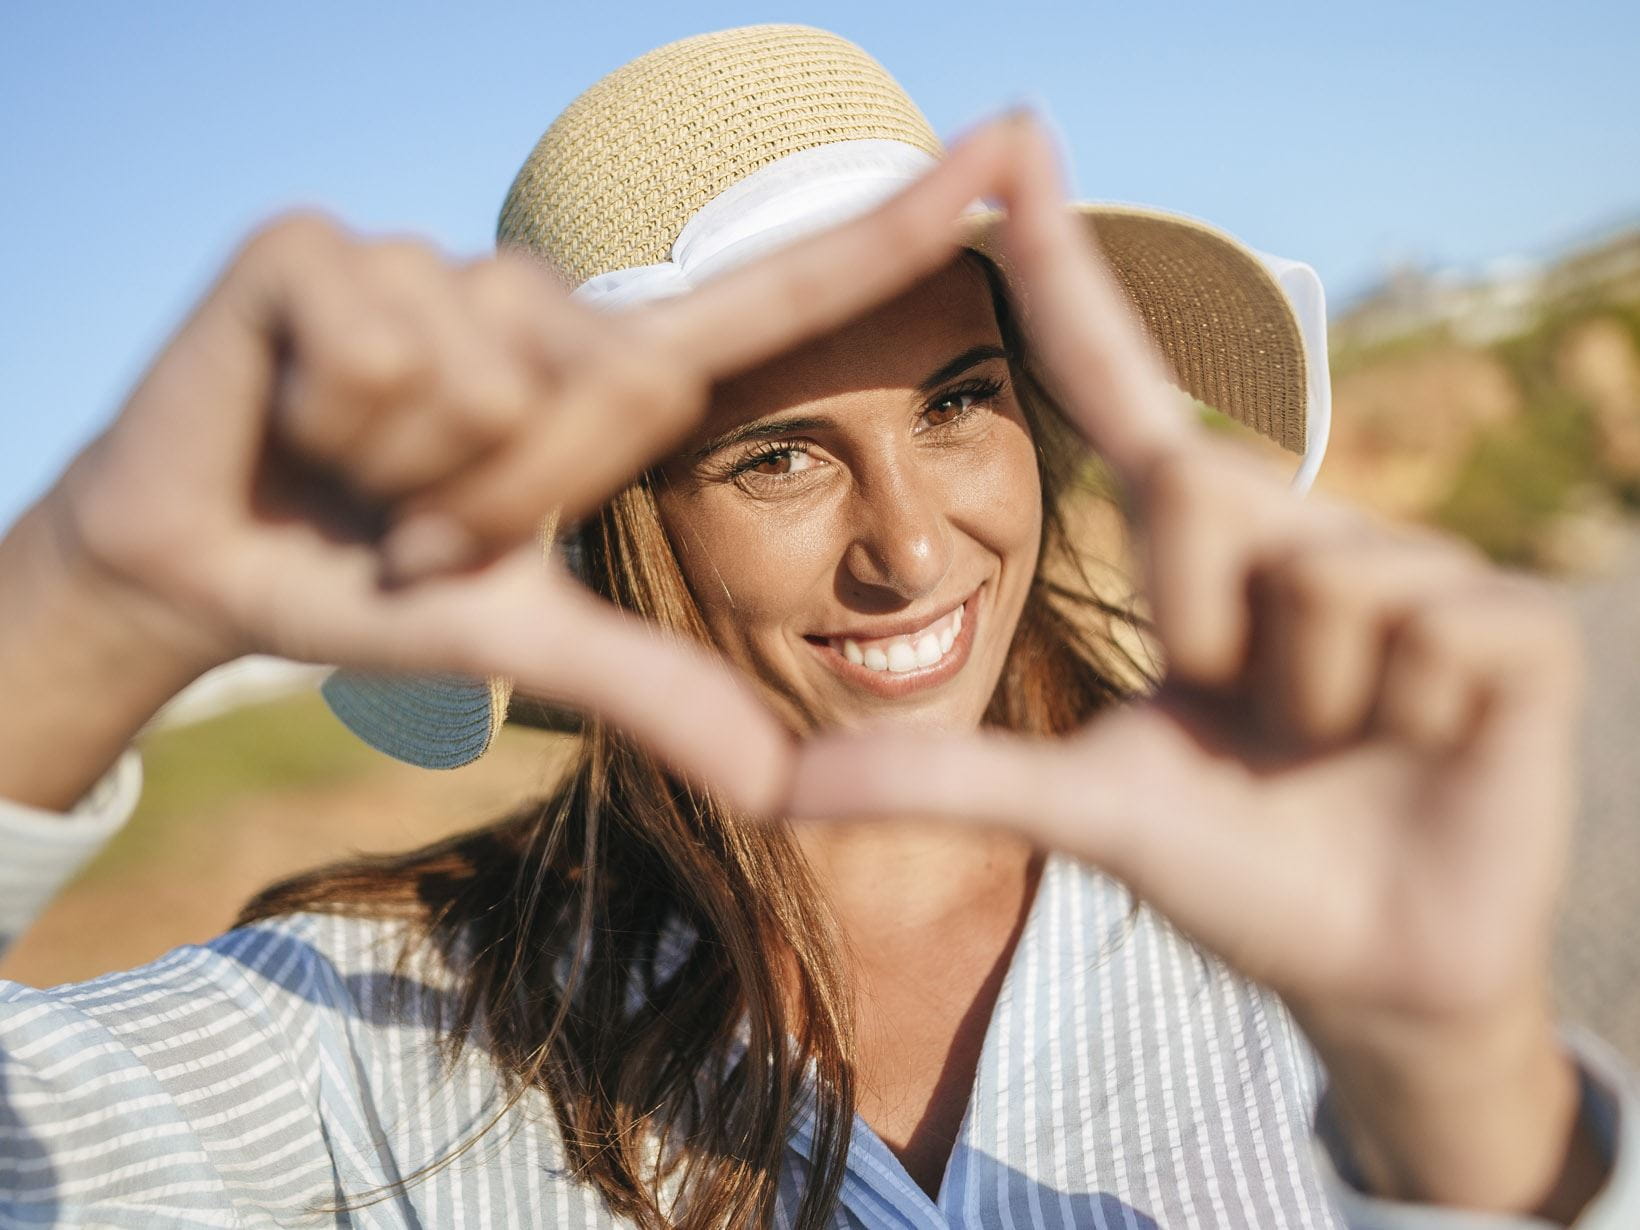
<point x="1210" y="517"/>
<point x="815" y="284"/>
<point x="1094" y="352"/>
<point x="618" y="409"/>
<point x="658" y="689"/>
<point x="1322" y="613"/>
<point x="1133" y="795"/>
<point x="978" y="779"/>
<point x="210" y="389"/>
<point x="600" y="405"/>
<point x="480" y="387"/>
<point x="351" y="351"/>
<point x="1490" y="648"/>
<point x="530" y="624"/>
<point x="1104" y="795"/>
<point x="638" y="384"/>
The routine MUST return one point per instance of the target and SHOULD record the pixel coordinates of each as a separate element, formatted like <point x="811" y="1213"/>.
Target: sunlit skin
<point x="1355" y="782"/>
<point x="835" y="492"/>
<point x="839" y="490"/>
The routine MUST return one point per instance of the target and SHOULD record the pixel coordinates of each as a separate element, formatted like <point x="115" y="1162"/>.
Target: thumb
<point x="1119" y="793"/>
<point x="684" y="704"/>
<point x="977" y="779"/>
<point x="553" y="638"/>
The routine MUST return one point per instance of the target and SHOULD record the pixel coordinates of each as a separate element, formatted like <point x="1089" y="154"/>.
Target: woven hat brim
<point x="1216" y="313"/>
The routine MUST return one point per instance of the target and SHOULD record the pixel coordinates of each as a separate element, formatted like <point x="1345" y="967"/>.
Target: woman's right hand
<point x="346" y="452"/>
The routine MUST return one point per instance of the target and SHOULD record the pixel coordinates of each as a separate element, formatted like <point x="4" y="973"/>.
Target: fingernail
<point x="425" y="545"/>
<point x="1024" y="109"/>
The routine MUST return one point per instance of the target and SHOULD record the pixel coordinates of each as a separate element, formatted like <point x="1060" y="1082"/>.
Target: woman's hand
<point x="1355" y="782"/>
<point x="346" y="453"/>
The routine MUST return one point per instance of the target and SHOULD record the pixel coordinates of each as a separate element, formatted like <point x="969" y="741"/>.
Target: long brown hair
<point x="684" y="1072"/>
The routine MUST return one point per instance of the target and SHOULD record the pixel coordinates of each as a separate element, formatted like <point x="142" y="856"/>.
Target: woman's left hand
<point x="1355" y="782"/>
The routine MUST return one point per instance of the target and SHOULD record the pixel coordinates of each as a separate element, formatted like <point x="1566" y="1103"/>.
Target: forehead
<point x="893" y="346"/>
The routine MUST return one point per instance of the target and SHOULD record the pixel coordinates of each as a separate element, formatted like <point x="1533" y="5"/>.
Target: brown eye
<point x="780" y="463"/>
<point x="959" y="403"/>
<point x="785" y="462"/>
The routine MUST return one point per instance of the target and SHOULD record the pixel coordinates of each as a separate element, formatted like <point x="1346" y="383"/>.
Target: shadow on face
<point x="859" y="519"/>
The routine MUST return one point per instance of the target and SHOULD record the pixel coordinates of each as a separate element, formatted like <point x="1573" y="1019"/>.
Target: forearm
<point x="1480" y="1115"/>
<point x="85" y="661"/>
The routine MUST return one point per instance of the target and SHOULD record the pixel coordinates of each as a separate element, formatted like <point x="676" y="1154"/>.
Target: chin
<point x="936" y="719"/>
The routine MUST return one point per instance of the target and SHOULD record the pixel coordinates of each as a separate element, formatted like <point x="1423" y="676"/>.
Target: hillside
<point x="1506" y="411"/>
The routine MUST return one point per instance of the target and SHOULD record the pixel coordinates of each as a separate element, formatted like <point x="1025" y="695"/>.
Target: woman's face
<point x="859" y="519"/>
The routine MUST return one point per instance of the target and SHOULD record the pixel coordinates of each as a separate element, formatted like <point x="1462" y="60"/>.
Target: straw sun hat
<point x="711" y="151"/>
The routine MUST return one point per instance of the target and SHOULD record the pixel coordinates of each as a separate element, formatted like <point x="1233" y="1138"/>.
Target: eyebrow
<point x="972" y="357"/>
<point x="791" y="425"/>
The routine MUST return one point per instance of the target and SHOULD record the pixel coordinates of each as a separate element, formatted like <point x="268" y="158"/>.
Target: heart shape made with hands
<point x="1354" y="781"/>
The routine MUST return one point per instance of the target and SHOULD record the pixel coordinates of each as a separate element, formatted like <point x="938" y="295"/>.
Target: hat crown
<point x="612" y="182"/>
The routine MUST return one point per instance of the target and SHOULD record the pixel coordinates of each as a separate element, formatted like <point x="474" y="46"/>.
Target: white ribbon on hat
<point x="790" y="197"/>
<point x="826" y="185"/>
<point x="1302" y="286"/>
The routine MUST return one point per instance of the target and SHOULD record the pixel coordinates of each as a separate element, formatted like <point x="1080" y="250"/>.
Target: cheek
<point x="997" y="498"/>
<point x="750" y="566"/>
<point x="755" y="566"/>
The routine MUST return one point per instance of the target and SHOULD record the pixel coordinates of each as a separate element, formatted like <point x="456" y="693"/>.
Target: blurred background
<point x="1465" y="177"/>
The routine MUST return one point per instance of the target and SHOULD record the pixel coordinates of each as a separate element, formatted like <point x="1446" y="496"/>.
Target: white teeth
<point x="905" y="653"/>
<point x="901" y="657"/>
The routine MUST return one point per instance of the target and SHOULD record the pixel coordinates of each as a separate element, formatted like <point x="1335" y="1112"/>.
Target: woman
<point x="655" y="1004"/>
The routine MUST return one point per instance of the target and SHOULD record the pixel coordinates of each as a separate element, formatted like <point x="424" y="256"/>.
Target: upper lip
<point x="900" y="627"/>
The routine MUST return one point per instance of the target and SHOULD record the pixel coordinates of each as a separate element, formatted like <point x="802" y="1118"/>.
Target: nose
<point x="900" y="547"/>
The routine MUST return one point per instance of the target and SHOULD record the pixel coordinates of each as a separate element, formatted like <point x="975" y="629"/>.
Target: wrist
<point x="109" y="559"/>
<point x="1481" y="1113"/>
<point x="86" y="658"/>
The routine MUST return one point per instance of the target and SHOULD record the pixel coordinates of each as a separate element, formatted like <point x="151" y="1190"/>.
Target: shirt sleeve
<point x="40" y="851"/>
<point x="1611" y="1106"/>
<point x="208" y="1088"/>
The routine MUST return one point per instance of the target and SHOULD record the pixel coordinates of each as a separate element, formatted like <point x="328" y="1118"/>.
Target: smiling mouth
<point x="908" y="661"/>
<point x="901" y="655"/>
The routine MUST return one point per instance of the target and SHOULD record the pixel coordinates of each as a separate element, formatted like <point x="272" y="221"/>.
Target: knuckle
<point x="403" y="256"/>
<point x="642" y="390"/>
<point x="1186" y="484"/>
<point x="1463" y="555"/>
<point x="502" y="284"/>
<point x="488" y="406"/>
<point x="1432" y="632"/>
<point x="530" y="269"/>
<point x="1317" y="581"/>
<point x="296" y="231"/>
<point x="1169" y="486"/>
<point x="1548" y="626"/>
<point x="901" y="227"/>
<point x="377" y="360"/>
<point x="1460" y="560"/>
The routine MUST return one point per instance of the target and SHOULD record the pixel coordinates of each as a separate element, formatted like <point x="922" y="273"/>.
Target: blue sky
<point x="141" y="140"/>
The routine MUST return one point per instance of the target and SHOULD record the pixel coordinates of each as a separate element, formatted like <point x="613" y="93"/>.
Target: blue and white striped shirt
<point x="1126" y="1082"/>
